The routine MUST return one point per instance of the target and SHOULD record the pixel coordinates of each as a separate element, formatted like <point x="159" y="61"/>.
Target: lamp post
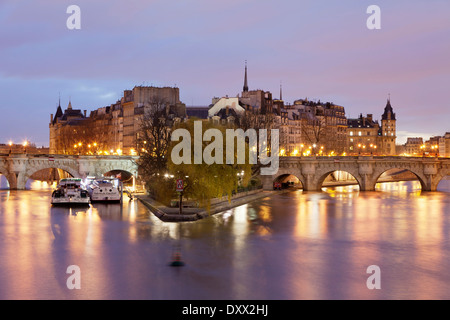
<point x="10" y="147"/>
<point x="374" y="148"/>
<point x="435" y="147"/>
<point x="25" y="146"/>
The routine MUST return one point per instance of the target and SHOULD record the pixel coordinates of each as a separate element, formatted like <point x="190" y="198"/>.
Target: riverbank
<point x="170" y="214"/>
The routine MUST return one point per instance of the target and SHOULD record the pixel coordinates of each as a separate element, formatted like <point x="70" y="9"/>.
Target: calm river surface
<point x="290" y="246"/>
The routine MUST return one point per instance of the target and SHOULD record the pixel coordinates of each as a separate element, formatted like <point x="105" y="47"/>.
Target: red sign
<point x="51" y="159"/>
<point x="180" y="185"/>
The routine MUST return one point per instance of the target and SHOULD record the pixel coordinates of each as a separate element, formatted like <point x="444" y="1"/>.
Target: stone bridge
<point x="18" y="168"/>
<point x="312" y="171"/>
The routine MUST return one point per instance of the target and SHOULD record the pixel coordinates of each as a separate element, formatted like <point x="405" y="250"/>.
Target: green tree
<point x="203" y="182"/>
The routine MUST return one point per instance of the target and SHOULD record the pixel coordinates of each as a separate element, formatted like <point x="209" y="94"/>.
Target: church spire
<point x="245" y="78"/>
<point x="281" y="92"/>
<point x="69" y="107"/>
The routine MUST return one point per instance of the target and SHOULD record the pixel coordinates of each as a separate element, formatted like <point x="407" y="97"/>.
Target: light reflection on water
<point x="299" y="245"/>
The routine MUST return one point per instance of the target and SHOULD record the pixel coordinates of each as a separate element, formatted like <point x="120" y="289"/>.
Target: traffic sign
<point x="180" y="185"/>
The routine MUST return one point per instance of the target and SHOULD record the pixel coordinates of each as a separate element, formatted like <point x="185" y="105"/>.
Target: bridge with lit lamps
<point x="18" y="168"/>
<point x="312" y="171"/>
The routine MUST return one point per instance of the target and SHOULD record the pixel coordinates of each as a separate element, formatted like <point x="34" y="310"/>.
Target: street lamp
<point x="10" y="146"/>
<point x="435" y="147"/>
<point x="25" y="146"/>
<point x="422" y="147"/>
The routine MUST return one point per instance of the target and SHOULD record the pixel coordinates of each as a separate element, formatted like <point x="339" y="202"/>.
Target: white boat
<point x="70" y="191"/>
<point x="104" y="190"/>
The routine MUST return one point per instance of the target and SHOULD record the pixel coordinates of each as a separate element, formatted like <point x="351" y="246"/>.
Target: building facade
<point x="362" y="135"/>
<point x="112" y="129"/>
<point x="308" y="127"/>
<point x="414" y="146"/>
<point x="368" y="136"/>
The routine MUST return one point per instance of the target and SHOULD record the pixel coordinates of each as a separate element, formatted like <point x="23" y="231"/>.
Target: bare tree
<point x="153" y="140"/>
<point x="314" y="130"/>
<point x="255" y="119"/>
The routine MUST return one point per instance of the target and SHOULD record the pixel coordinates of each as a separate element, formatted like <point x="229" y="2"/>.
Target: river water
<point x="289" y="246"/>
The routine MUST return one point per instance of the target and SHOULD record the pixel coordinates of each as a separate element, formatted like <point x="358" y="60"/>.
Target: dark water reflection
<point x="290" y="246"/>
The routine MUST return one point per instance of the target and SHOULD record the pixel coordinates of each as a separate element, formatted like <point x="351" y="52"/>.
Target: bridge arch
<point x="444" y="175"/>
<point x="125" y="175"/>
<point x="319" y="181"/>
<point x="4" y="175"/>
<point x="379" y="172"/>
<point x="289" y="179"/>
<point x="128" y="173"/>
<point x="25" y="175"/>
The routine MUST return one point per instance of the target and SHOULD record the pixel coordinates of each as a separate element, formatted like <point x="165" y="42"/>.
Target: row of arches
<point x="48" y="179"/>
<point x="345" y="178"/>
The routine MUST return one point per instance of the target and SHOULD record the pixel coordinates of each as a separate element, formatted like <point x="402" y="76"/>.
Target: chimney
<point x="85" y="113"/>
<point x="51" y="118"/>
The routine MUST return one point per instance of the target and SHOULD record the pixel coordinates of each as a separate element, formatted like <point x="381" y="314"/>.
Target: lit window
<point x="351" y="133"/>
<point x="359" y="133"/>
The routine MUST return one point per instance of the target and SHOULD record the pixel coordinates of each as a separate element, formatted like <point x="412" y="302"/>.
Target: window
<point x="351" y="133"/>
<point x="359" y="133"/>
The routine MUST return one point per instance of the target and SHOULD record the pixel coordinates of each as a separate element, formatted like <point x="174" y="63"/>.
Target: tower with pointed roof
<point x="245" y="89"/>
<point x="387" y="132"/>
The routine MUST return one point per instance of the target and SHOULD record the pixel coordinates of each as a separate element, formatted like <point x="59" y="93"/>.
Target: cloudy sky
<point x="319" y="49"/>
